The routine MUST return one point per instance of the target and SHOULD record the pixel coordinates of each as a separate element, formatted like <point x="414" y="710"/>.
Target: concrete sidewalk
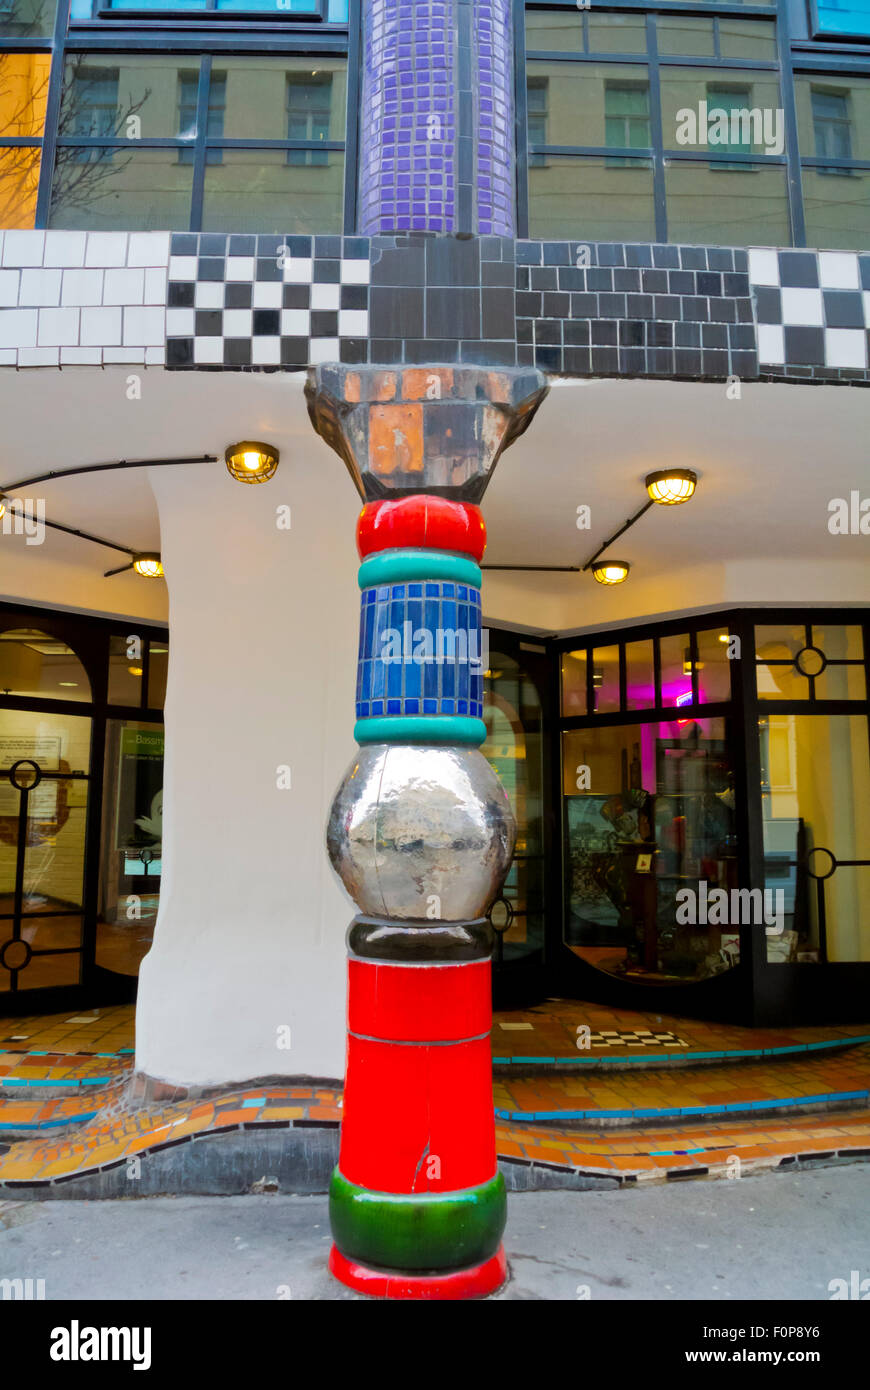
<point x="779" y="1236"/>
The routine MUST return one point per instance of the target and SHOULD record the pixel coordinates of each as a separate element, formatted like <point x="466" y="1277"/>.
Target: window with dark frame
<point x="537" y="96"/>
<point x="309" y="107"/>
<point x="832" y="127"/>
<point x="94" y="110"/>
<point x="626" y="119"/>
<point x="188" y="89"/>
<point x="733" y="100"/>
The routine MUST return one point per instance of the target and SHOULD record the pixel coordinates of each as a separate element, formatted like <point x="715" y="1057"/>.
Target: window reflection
<point x="23" y="95"/>
<point x="649" y="813"/>
<point x="26" y="19"/>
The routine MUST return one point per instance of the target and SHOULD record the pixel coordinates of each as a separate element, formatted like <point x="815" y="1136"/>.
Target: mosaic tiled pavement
<point x="547" y="1035"/>
<point x="684" y="1121"/>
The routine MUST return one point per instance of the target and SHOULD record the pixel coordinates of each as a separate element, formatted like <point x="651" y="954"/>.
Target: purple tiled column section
<point x="422" y="141"/>
<point x="408" y="120"/>
<point x="495" y="117"/>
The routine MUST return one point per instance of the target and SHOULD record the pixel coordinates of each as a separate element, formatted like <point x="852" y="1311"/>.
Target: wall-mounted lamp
<point x="2" y="504"/>
<point x="251" y="461"/>
<point x="671" y="486"/>
<point x="148" y="564"/>
<point x="611" y="571"/>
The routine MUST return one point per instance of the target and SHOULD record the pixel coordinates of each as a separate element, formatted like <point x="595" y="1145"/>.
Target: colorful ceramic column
<point x="421" y="833"/>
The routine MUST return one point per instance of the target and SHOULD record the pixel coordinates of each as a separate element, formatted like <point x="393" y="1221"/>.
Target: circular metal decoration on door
<point x="821" y="872"/>
<point x="811" y="661"/>
<point x="500" y="915"/>
<point x="25" y="781"/>
<point x="15" y="954"/>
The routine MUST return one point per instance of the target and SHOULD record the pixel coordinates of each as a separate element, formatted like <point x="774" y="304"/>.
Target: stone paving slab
<point x="771" y="1240"/>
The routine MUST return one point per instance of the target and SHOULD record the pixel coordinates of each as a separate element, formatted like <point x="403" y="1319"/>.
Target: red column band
<point x="418" y="1113"/>
<point x="421" y="522"/>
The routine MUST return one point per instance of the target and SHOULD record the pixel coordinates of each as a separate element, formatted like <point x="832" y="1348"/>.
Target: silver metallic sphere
<point x="421" y="831"/>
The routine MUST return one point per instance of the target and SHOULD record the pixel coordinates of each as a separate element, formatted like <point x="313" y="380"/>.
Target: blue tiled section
<point x="49" y="1124"/>
<point x="420" y="650"/>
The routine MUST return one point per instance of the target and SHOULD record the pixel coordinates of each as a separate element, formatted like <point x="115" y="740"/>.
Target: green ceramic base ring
<point x="397" y="566"/>
<point x="417" y="1231"/>
<point x="421" y="728"/>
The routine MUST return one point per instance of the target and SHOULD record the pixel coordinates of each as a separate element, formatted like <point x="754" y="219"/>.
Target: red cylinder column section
<point x="417" y="1185"/>
<point x="418" y="1115"/>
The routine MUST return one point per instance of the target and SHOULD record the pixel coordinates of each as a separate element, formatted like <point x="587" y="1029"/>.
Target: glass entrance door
<point x="514" y="709"/>
<point x="81" y="807"/>
<point x="45" y="758"/>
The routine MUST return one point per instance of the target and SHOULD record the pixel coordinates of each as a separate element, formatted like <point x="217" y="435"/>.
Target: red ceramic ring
<point x="478" y="1282"/>
<point x="421" y="522"/>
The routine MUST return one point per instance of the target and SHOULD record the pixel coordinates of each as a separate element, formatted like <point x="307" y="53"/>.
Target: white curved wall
<point x="250" y="934"/>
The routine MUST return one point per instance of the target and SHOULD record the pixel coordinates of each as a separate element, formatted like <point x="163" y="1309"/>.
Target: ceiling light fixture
<point x="671" y="486"/>
<point x="611" y="571"/>
<point x="667" y="487"/>
<point x="148" y="564"/>
<point x="251" y="461"/>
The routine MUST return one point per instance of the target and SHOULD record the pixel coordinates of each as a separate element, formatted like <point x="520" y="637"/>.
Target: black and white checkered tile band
<point x="266" y="301"/>
<point x="812" y="308"/>
<point x="641" y="1037"/>
<point x="272" y="303"/>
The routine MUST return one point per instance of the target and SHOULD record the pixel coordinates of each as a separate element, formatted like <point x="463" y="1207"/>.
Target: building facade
<point x="663" y="209"/>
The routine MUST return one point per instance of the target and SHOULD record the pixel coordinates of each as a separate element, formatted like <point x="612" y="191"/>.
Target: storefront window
<point x="40" y="666"/>
<point x="125" y="670"/>
<point x="574" y="683"/>
<point x="714" y="666"/>
<point x="138" y="668"/>
<point x="132" y="844"/>
<point x="810" y="662"/>
<point x="53" y="893"/>
<point x="158" y="670"/>
<point x="649" y="836"/>
<point x="514" y="746"/>
<point x="816" y="807"/>
<point x="640" y="683"/>
<point x="605" y="679"/>
<point x="676" y="668"/>
<point x="44" y="775"/>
